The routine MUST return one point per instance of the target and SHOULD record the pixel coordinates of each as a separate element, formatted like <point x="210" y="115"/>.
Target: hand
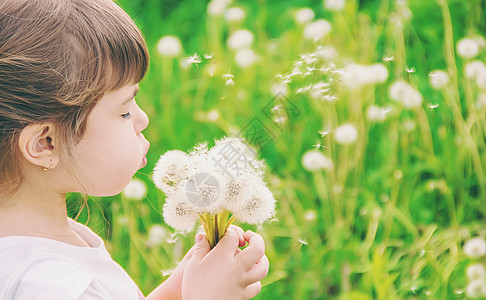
<point x="173" y="284"/>
<point x="225" y="272"/>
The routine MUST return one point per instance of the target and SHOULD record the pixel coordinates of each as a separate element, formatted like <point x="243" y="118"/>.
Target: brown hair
<point x="57" y="59"/>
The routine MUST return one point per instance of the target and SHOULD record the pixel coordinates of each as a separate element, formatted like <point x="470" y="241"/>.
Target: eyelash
<point x="127" y="116"/>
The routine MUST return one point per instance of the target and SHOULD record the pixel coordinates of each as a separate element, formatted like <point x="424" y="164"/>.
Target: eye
<point x="128" y="115"/>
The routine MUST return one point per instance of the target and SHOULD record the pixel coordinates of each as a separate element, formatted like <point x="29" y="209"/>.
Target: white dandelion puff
<point x="169" y="46"/>
<point x="304" y="15"/>
<point x="258" y="206"/>
<point x="234" y="14"/>
<point x="402" y="92"/>
<point x="245" y="58"/>
<point x="481" y="101"/>
<point x="467" y="48"/>
<point x="136" y="190"/>
<point x="475" y="247"/>
<point x="178" y="213"/>
<point x="310" y="215"/>
<point x="476" y="288"/>
<point x="217" y="7"/>
<point x="346" y="134"/>
<point x="157" y="234"/>
<point x="314" y="160"/>
<point x="376" y="114"/>
<point x="474" y="69"/>
<point x="170" y="170"/>
<point x="334" y="5"/>
<point x="438" y="79"/>
<point x="475" y="271"/>
<point x="240" y="39"/>
<point x="317" y="29"/>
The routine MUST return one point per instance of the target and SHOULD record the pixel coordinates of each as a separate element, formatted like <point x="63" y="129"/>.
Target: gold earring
<point x="52" y="162"/>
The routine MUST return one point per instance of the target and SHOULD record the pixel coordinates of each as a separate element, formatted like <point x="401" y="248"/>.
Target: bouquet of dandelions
<point x="216" y="185"/>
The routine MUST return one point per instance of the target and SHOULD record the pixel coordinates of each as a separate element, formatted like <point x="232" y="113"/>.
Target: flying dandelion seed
<point x="208" y="56"/>
<point x="388" y="59"/>
<point x="411" y="70"/>
<point x="323" y="133"/>
<point x="317" y="146"/>
<point x="433" y="106"/>
<point x="229" y="82"/>
<point x="195" y="59"/>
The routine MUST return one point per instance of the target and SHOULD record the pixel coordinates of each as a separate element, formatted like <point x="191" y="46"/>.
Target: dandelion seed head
<point x="310" y="215"/>
<point x="475" y="247"/>
<point x="346" y="134"/>
<point x="317" y="29"/>
<point x="314" y="160"/>
<point x="240" y="39"/>
<point x="136" y="190"/>
<point x="475" y="271"/>
<point x="376" y="114"/>
<point x="334" y="5"/>
<point x="355" y="76"/>
<point x="402" y="92"/>
<point x="170" y="170"/>
<point x="474" y="69"/>
<point x="467" y="48"/>
<point x="438" y="79"/>
<point x="304" y="15"/>
<point x="481" y="101"/>
<point x="169" y="46"/>
<point x="157" y="234"/>
<point x="217" y="7"/>
<point x="476" y="288"/>
<point x="259" y="206"/>
<point x="178" y="213"/>
<point x="234" y="14"/>
<point x="245" y="58"/>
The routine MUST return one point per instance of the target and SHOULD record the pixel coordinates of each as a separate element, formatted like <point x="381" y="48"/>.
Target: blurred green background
<point x="389" y="218"/>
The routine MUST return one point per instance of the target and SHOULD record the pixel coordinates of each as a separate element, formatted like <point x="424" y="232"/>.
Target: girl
<point x="69" y="72"/>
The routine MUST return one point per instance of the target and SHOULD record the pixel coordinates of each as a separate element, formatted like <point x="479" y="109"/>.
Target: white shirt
<point x="37" y="268"/>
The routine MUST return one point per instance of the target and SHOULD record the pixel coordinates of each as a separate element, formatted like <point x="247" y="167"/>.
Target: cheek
<point x="108" y="162"/>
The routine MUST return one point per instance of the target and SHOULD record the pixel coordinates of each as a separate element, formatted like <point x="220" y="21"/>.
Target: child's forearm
<point x="165" y="291"/>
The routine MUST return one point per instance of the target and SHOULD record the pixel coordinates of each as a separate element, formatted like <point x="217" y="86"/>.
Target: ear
<point x="37" y="144"/>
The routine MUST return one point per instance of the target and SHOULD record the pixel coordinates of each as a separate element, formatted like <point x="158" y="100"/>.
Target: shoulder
<point x="49" y="277"/>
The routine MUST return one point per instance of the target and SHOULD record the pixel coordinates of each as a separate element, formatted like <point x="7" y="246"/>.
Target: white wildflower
<point x="475" y="247"/>
<point x="476" y="288"/>
<point x="310" y="215"/>
<point x="279" y="89"/>
<point x="481" y="101"/>
<point x="355" y="75"/>
<point x="240" y="39"/>
<point x="475" y="271"/>
<point x="169" y="46"/>
<point x="474" y="69"/>
<point x="234" y="14"/>
<point x="467" y="48"/>
<point x="334" y="4"/>
<point x="376" y="114"/>
<point x="258" y="205"/>
<point x="217" y="7"/>
<point x="170" y="170"/>
<point x="135" y="190"/>
<point x="317" y="29"/>
<point x="346" y="134"/>
<point x="402" y="92"/>
<point x="438" y="79"/>
<point x="304" y="15"/>
<point x="245" y="58"/>
<point x="315" y="160"/>
<point x="157" y="234"/>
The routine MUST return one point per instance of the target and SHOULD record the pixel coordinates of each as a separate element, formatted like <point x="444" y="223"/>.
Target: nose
<point x="142" y="120"/>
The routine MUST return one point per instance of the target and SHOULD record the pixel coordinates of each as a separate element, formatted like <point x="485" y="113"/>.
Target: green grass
<point x="393" y="215"/>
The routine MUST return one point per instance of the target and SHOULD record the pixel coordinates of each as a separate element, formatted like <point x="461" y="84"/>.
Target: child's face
<point x="113" y="147"/>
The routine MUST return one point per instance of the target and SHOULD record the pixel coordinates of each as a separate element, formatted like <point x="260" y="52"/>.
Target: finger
<point x="257" y="272"/>
<point x="240" y="233"/>
<point x="201" y="248"/>
<point x="253" y="289"/>
<point x="254" y="252"/>
<point x="228" y="244"/>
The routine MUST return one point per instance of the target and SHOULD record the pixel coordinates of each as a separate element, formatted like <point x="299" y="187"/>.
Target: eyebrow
<point x="135" y="92"/>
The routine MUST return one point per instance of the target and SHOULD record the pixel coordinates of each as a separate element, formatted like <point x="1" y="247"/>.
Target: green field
<point x="389" y="217"/>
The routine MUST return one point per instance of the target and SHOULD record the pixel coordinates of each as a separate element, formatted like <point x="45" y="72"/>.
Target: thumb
<point x="229" y="242"/>
<point x="201" y="248"/>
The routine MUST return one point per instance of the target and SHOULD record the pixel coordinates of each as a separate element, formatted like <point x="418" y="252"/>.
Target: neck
<point x="34" y="211"/>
